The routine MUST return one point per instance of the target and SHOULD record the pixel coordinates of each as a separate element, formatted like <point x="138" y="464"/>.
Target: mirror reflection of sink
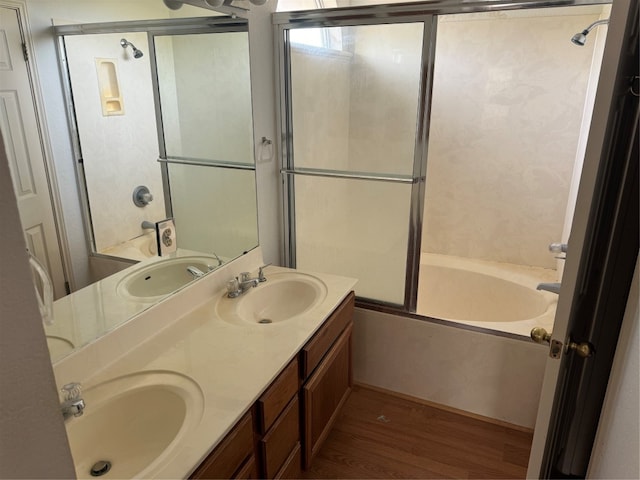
<point x="134" y="423"/>
<point x="161" y="278"/>
<point x="59" y="346"/>
<point x="283" y="296"/>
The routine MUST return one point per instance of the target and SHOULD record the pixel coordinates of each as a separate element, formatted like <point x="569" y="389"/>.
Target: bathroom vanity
<point x="218" y="392"/>
<point x="295" y="414"/>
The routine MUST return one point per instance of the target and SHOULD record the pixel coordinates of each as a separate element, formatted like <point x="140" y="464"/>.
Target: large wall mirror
<point x="164" y="105"/>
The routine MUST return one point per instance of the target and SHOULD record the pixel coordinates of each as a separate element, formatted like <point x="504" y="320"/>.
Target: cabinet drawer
<point x="318" y="346"/>
<point x="292" y="466"/>
<point x="276" y="445"/>
<point x="277" y="396"/>
<point x="229" y="456"/>
<point x="324" y="394"/>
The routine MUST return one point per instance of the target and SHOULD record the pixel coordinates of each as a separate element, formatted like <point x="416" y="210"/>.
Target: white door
<point x="20" y="132"/>
<point x="608" y="93"/>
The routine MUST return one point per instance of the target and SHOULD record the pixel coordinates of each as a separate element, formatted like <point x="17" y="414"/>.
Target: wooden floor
<point x="384" y="436"/>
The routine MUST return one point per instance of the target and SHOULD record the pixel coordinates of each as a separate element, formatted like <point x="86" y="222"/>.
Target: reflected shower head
<point x="125" y="43"/>
<point x="581" y="37"/>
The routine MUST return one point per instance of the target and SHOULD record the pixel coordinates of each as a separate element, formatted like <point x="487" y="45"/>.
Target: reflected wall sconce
<point x="211" y="4"/>
<point x="265" y="150"/>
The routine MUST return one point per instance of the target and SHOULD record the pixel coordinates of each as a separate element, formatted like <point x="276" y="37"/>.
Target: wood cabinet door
<point x="230" y="455"/>
<point x="276" y="446"/>
<point x="325" y="393"/>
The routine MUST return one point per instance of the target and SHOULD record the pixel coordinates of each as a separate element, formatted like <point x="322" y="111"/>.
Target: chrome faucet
<point x="195" y="272"/>
<point x="549" y="287"/>
<point x="241" y="284"/>
<point x="73" y="405"/>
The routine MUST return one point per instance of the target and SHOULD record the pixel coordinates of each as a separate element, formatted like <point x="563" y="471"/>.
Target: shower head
<point x="581" y="37"/>
<point x="125" y="43"/>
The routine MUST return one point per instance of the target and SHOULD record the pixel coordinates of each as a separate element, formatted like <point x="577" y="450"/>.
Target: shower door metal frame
<point x="427" y="13"/>
<point x="153" y="28"/>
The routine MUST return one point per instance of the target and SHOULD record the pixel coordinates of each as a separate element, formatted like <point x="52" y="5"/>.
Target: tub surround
<point x="489" y="375"/>
<point x="232" y="364"/>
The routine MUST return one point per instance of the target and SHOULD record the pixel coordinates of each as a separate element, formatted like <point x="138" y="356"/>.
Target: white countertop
<point x="232" y="364"/>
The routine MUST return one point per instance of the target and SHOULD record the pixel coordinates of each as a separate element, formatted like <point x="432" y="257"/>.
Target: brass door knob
<point x="582" y="349"/>
<point x="540" y="335"/>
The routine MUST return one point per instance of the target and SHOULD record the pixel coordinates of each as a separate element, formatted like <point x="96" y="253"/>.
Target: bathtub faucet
<point x="549" y="287"/>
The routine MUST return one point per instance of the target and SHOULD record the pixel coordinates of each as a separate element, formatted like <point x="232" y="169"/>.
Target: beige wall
<point x="33" y="442"/>
<point x="617" y="442"/>
<point x="508" y="100"/>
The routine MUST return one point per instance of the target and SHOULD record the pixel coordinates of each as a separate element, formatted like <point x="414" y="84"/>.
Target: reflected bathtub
<point x="491" y="295"/>
<point x="138" y="248"/>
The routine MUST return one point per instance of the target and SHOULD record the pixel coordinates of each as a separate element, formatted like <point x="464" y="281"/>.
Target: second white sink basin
<point x="134" y="423"/>
<point x="283" y="296"/>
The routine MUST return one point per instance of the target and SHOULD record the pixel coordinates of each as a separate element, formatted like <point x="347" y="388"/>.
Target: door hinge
<point x="25" y="52"/>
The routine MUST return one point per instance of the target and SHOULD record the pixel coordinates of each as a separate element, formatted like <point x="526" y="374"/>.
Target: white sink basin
<point x="134" y="423"/>
<point x="154" y="281"/>
<point x="282" y="297"/>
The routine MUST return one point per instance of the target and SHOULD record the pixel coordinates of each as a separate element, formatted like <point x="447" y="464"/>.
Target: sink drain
<point x="265" y="320"/>
<point x="100" y="468"/>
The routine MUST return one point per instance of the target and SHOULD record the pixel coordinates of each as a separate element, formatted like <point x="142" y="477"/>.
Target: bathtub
<point x="491" y="295"/>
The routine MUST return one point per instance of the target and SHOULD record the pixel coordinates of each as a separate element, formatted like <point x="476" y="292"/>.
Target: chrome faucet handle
<point x="220" y="262"/>
<point x="233" y="288"/>
<point x="261" y="277"/>
<point x="558" y="247"/>
<point x="71" y="391"/>
<point x="73" y="405"/>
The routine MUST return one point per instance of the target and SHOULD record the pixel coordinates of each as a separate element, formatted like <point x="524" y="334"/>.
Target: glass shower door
<point x="354" y="104"/>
